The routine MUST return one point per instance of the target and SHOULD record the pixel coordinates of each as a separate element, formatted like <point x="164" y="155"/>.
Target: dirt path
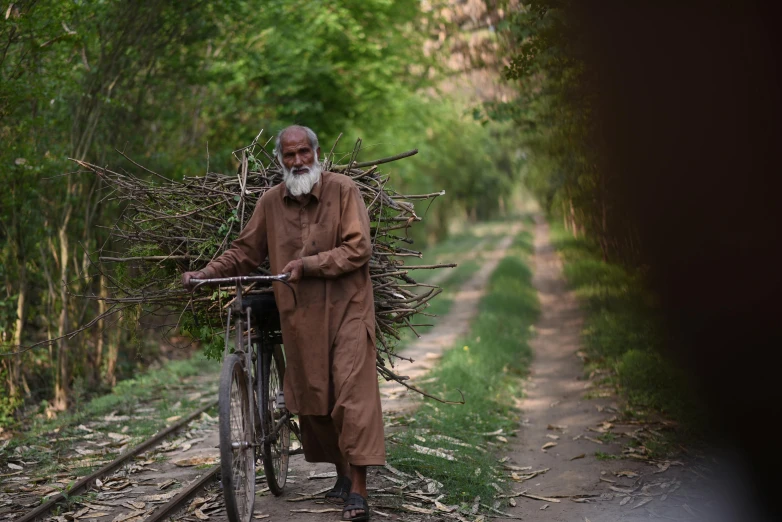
<point x="427" y="350"/>
<point x="556" y="412"/>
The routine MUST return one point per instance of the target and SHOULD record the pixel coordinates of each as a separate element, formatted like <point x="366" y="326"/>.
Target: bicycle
<point x="259" y="428"/>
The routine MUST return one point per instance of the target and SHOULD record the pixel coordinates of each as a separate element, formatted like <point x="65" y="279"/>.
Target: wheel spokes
<point x="239" y="443"/>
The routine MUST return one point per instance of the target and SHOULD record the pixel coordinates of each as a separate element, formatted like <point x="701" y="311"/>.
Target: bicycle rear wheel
<point x="237" y="455"/>
<point x="276" y="447"/>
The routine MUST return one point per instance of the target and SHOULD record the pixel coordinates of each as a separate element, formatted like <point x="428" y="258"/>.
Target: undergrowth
<point x="623" y="334"/>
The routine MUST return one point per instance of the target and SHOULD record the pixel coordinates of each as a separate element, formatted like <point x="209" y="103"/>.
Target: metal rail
<point x="89" y="480"/>
<point x="178" y="501"/>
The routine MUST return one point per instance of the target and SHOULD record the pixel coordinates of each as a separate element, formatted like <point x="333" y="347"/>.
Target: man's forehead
<point x="294" y="138"/>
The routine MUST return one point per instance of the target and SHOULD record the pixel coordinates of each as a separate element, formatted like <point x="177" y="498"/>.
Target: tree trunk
<point x="16" y="366"/>
<point x="111" y="356"/>
<point x="62" y="375"/>
<point x="98" y="360"/>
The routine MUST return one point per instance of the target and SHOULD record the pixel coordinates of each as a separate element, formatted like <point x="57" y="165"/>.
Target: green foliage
<point x="177" y="86"/>
<point x="556" y="113"/>
<point x="622" y="332"/>
<point x="601" y="455"/>
<point x="475" y="164"/>
<point x="486" y="367"/>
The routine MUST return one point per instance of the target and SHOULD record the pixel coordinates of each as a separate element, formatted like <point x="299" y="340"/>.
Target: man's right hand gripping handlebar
<point x="187" y="276"/>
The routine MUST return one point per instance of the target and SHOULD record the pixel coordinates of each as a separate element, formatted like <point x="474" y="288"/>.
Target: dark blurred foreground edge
<point x="689" y="96"/>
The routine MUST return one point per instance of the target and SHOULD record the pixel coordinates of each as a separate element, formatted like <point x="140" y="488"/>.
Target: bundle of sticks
<point x="168" y="227"/>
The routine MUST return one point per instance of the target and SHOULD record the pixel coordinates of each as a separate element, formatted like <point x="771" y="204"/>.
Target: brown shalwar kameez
<point x="329" y="338"/>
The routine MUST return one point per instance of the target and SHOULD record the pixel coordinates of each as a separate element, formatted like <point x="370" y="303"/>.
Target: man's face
<point x="297" y="153"/>
<point x="300" y="167"/>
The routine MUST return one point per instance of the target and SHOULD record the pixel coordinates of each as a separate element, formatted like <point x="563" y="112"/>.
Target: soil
<point x="556" y="409"/>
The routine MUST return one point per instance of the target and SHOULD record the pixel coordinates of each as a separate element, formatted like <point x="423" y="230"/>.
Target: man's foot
<point x="339" y="493"/>
<point x="356" y="508"/>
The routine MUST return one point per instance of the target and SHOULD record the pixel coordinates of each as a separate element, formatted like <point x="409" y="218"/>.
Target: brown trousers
<point x="354" y="429"/>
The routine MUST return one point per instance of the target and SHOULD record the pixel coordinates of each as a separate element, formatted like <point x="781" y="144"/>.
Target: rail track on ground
<point x="99" y="500"/>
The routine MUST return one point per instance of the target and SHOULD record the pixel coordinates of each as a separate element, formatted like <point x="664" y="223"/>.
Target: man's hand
<point x="187" y="276"/>
<point x="296" y="269"/>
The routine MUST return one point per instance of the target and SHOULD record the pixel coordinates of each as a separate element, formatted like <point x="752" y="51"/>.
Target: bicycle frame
<point x="243" y="322"/>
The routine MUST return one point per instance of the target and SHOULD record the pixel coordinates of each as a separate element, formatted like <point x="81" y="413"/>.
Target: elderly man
<point x="315" y="226"/>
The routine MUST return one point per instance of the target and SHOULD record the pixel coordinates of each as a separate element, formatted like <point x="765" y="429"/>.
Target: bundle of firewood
<point x="168" y="227"/>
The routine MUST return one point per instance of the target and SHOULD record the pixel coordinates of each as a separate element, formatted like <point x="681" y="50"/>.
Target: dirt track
<point x="556" y="410"/>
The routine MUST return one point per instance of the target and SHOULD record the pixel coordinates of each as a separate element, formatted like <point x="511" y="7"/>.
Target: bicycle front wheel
<point x="277" y="432"/>
<point x="237" y="455"/>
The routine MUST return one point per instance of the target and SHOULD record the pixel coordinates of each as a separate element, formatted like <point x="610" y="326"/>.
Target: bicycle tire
<point x="237" y="455"/>
<point x="275" y="450"/>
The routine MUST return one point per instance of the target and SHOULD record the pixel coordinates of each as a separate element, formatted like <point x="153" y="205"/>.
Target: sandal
<point x="354" y="503"/>
<point x="339" y="493"/>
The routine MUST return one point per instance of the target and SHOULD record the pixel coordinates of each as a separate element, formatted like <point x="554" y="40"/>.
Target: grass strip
<point x="623" y="336"/>
<point x="452" y="249"/>
<point x="487" y="366"/>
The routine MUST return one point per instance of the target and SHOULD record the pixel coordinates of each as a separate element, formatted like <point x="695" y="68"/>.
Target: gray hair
<point x="310" y="135"/>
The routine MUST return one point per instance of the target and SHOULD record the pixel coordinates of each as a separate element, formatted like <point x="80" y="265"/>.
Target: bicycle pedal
<point x="280" y="401"/>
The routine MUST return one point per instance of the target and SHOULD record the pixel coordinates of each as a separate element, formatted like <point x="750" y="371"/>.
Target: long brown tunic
<point x="330" y="336"/>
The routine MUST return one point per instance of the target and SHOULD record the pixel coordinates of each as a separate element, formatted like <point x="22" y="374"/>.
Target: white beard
<point x="300" y="184"/>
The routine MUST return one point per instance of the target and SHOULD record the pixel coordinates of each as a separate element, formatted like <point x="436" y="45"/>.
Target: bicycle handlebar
<point x="280" y="278"/>
<point x="241" y="279"/>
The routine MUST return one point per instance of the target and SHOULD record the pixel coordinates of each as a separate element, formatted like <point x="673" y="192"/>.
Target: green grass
<point x="450" y="250"/>
<point x="486" y="367"/>
<point x="623" y="334"/>
<point x="600" y="455"/>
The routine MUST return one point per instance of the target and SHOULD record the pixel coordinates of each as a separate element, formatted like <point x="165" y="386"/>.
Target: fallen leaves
<point x="162" y="497"/>
<point x="643" y="502"/>
<point x="416" y="509"/>
<point x="163" y="485"/>
<point x="543" y="499"/>
<point x="328" y="474"/>
<point x="522" y="477"/>
<point x="511" y="467"/>
<point x="131" y="516"/>
<point x="440" y="452"/>
<point x="200" y="460"/>
<point x="548" y="445"/>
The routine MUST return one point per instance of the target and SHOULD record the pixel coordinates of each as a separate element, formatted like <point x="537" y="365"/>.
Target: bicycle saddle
<point x="264" y="310"/>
